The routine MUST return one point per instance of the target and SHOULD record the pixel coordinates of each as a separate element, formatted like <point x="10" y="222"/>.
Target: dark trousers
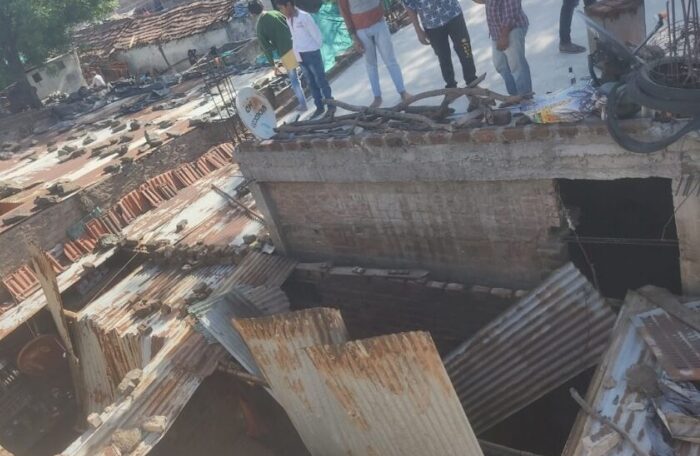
<point x="455" y="30"/>
<point x="312" y="64"/>
<point x="565" y="17"/>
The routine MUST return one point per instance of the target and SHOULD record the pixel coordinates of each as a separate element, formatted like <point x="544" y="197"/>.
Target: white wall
<point x="146" y="58"/>
<point x="63" y="73"/>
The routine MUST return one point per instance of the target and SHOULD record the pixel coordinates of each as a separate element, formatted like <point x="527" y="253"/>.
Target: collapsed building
<point x="172" y="286"/>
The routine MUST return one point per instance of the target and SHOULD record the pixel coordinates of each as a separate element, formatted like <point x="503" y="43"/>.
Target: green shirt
<point x="273" y="34"/>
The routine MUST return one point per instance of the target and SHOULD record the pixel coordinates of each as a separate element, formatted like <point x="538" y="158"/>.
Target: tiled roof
<point x="174" y="24"/>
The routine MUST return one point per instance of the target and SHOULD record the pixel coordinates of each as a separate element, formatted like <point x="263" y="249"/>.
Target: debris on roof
<point x="557" y="331"/>
<point x="631" y="389"/>
<point x="172" y="376"/>
<point x="385" y="395"/>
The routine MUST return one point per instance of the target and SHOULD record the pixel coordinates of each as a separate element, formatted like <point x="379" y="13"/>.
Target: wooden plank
<point x="667" y="301"/>
<point x="47" y="278"/>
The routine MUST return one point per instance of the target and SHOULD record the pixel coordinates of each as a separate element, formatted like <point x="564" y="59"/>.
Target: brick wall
<point x="474" y="205"/>
<point x="477" y="232"/>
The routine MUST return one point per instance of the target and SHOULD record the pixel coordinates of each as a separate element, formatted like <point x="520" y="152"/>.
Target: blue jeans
<point x="378" y="38"/>
<point x="512" y="65"/>
<point x="296" y="86"/>
<point x="312" y="63"/>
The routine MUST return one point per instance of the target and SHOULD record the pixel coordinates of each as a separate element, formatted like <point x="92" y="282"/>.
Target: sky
<point x="421" y="72"/>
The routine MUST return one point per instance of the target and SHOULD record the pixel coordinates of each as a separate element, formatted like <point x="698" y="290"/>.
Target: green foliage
<point x="34" y="29"/>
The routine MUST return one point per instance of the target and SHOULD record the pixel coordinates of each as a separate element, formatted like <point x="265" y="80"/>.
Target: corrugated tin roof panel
<point x="215" y="315"/>
<point x="675" y="345"/>
<point x="611" y="394"/>
<point x="276" y="343"/>
<point x="556" y="332"/>
<point x="260" y="269"/>
<point x="396" y="397"/>
<point x="167" y="384"/>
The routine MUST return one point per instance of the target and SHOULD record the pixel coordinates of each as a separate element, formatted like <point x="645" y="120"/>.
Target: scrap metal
<point x="556" y="332"/>
<point x="113" y="340"/>
<point x="167" y="384"/>
<point x="386" y="395"/>
<point x="242" y="301"/>
<point x="615" y="393"/>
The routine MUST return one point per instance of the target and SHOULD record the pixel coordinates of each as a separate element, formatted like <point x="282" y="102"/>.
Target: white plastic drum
<point x="256" y="113"/>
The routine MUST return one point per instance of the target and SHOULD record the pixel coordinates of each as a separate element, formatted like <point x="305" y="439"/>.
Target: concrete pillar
<point x="686" y="202"/>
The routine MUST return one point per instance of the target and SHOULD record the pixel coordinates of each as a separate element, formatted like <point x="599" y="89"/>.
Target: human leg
<point x="319" y="72"/>
<point x="311" y="78"/>
<point x="368" y="40"/>
<point x="386" y="50"/>
<point x="296" y="87"/>
<point x="519" y="68"/>
<point x="565" y="17"/>
<point x="500" y="62"/>
<point x="457" y="30"/>
<point x="439" y="41"/>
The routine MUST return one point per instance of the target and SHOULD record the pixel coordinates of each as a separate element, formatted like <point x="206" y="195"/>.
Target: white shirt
<point x="98" y="81"/>
<point x="306" y="36"/>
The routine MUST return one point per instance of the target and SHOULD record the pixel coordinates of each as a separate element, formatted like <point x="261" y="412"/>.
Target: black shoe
<point x="571" y="48"/>
<point x="317" y="113"/>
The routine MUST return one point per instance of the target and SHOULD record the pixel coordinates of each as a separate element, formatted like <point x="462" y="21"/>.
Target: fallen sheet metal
<point x="557" y="331"/>
<point x="114" y="339"/>
<point x="675" y="344"/>
<point x="276" y="343"/>
<point x="214" y="315"/>
<point x="167" y="384"/>
<point x="388" y="395"/>
<point x="397" y="395"/>
<point x="615" y="393"/>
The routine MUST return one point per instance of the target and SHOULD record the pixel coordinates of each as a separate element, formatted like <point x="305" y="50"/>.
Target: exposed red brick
<point x="373" y="141"/>
<point x="567" y="131"/>
<point x="539" y="132"/>
<point x="513" y="134"/>
<point x="484" y="135"/>
<point x="461" y="136"/>
<point x="396" y="140"/>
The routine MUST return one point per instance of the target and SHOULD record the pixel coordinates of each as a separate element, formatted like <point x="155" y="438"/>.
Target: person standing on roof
<point x="440" y="22"/>
<point x="365" y="22"/>
<point x="508" y="26"/>
<point x="566" y="16"/>
<point x="306" y="41"/>
<point x="274" y="35"/>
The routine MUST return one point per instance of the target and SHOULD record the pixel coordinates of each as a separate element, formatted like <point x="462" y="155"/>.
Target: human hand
<point x="422" y="36"/>
<point x="357" y="44"/>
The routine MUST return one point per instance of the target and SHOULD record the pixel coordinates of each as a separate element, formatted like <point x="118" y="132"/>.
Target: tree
<point x="30" y="30"/>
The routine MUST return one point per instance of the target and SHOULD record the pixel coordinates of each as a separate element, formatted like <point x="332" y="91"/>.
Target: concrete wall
<point x="148" y="58"/>
<point x="686" y="199"/>
<point x="60" y="74"/>
<point x="476" y="206"/>
<point x="48" y="227"/>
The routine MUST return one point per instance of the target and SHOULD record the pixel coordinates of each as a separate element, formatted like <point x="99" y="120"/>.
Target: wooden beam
<point x="47" y="278"/>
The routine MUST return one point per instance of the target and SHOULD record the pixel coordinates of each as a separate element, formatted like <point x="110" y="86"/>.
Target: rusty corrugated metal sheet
<point x="557" y="331"/>
<point x="381" y="396"/>
<point x="260" y="269"/>
<point x="219" y="223"/>
<point x="611" y="395"/>
<point x="396" y="397"/>
<point x="276" y="343"/>
<point x="167" y="384"/>
<point x="214" y="315"/>
<point x="110" y="336"/>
